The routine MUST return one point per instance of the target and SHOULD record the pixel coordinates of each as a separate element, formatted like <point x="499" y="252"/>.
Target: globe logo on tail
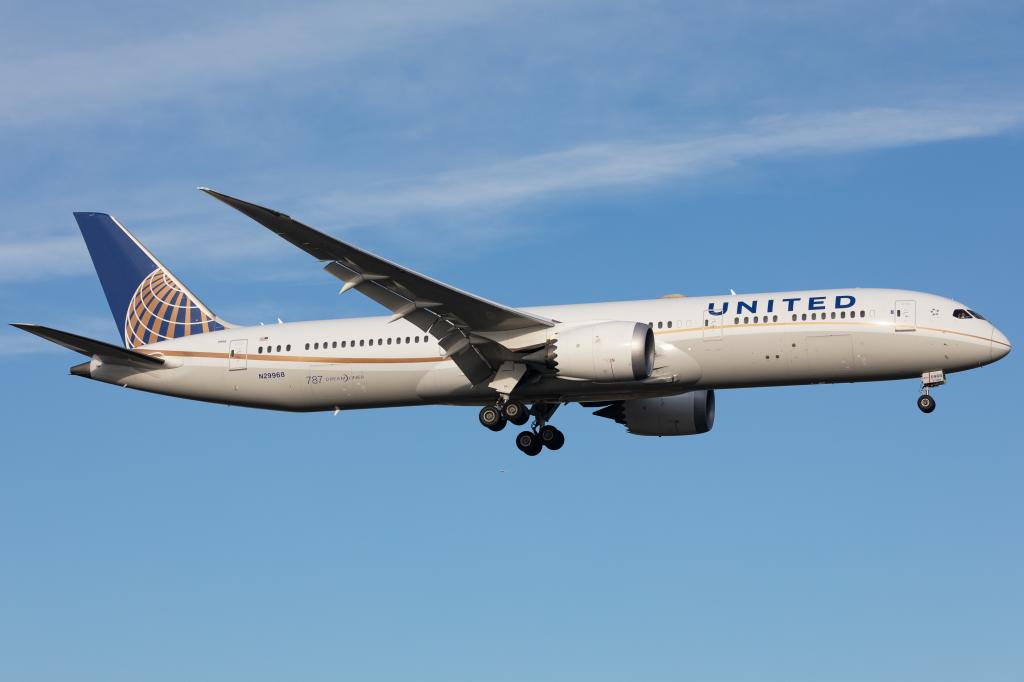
<point x="161" y="309"/>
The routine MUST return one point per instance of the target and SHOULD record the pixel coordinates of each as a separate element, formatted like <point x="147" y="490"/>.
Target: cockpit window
<point x="974" y="314"/>
<point x="961" y="314"/>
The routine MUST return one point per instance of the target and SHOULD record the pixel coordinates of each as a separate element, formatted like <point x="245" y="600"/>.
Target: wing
<point x="449" y="314"/>
<point x="90" y="347"/>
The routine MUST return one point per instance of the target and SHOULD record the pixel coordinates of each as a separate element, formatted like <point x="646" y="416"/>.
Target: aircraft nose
<point x="1000" y="345"/>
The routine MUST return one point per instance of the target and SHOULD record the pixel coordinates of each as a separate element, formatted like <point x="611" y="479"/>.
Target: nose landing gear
<point x="929" y="380"/>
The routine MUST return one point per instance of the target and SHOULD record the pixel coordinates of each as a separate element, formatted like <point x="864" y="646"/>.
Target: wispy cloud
<point x="577" y="170"/>
<point x="640" y="162"/>
<point x="74" y="84"/>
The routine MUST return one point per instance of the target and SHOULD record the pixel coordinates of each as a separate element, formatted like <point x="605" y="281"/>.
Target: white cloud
<point x="580" y="169"/>
<point x="640" y="162"/>
<point x="43" y="257"/>
<point x="70" y="85"/>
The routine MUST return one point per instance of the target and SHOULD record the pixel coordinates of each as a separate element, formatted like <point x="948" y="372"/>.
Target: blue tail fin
<point x="149" y="304"/>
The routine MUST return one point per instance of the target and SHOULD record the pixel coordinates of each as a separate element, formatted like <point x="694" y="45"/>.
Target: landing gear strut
<point x="929" y="380"/>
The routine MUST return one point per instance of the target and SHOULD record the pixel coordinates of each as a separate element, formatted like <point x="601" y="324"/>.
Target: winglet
<point x="254" y="211"/>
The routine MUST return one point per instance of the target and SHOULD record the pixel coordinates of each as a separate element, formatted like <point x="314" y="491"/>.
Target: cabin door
<point x="904" y="315"/>
<point x="712" y="326"/>
<point x="237" y="354"/>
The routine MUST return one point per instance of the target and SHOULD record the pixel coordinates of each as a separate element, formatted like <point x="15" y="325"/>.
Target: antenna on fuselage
<point x="732" y="291"/>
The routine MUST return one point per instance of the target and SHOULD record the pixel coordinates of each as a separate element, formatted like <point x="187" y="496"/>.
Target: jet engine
<point x="677" y="415"/>
<point x="604" y="351"/>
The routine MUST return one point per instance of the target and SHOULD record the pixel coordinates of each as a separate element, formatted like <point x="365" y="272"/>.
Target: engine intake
<point x="605" y="351"/>
<point x="686" y="414"/>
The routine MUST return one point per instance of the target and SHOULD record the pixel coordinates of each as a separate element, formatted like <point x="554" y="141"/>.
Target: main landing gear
<point x="929" y="380"/>
<point x="494" y="417"/>
<point x="541" y="435"/>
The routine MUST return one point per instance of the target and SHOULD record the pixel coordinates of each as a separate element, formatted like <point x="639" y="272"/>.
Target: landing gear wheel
<point x="528" y="442"/>
<point x="926" y="403"/>
<point x="551" y="437"/>
<point x="516" y="412"/>
<point x="492" y="418"/>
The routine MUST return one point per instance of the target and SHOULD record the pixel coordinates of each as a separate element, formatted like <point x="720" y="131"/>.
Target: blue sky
<point x="532" y="153"/>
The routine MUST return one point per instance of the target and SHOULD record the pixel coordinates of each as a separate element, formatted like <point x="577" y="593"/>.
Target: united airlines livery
<point x="651" y="365"/>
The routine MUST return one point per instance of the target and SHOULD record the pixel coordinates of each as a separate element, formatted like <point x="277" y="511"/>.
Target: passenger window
<point x="371" y="342"/>
<point x="288" y="347"/>
<point x="736" y="321"/>
<point x="407" y="339"/>
<point x="862" y="313"/>
<point x="746" y="320"/>
<point x="398" y="339"/>
<point x="342" y="344"/>
<point x="775" y="318"/>
<point x="307" y="346"/>
<point x="260" y="350"/>
<point x="389" y="340"/>
<point x="362" y="342"/>
<point x="794" y="317"/>
<point x="669" y="324"/>
<point x="755" y="319"/>
<point x="380" y="342"/>
<point x="659" y="325"/>
<point x="803" y="317"/>
<point x="833" y="314"/>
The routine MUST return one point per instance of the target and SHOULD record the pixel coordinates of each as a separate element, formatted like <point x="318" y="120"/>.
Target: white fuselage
<point x="702" y="342"/>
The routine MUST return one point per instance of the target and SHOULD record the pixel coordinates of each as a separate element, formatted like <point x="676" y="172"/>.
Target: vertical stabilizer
<point x="149" y="303"/>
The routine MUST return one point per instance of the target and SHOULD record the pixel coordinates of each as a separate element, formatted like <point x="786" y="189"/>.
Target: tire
<point x="516" y="413"/>
<point x="926" y="404"/>
<point x="529" y="443"/>
<point x="492" y="418"/>
<point x="552" y="438"/>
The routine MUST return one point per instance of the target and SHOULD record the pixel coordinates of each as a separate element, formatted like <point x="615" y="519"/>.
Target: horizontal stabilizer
<point x="90" y="347"/>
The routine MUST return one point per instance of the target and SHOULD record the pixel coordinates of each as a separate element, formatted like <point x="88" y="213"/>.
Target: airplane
<point x="650" y="365"/>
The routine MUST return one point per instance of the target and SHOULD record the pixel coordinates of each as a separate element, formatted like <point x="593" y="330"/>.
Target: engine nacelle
<point x="686" y="414"/>
<point x="604" y="351"/>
